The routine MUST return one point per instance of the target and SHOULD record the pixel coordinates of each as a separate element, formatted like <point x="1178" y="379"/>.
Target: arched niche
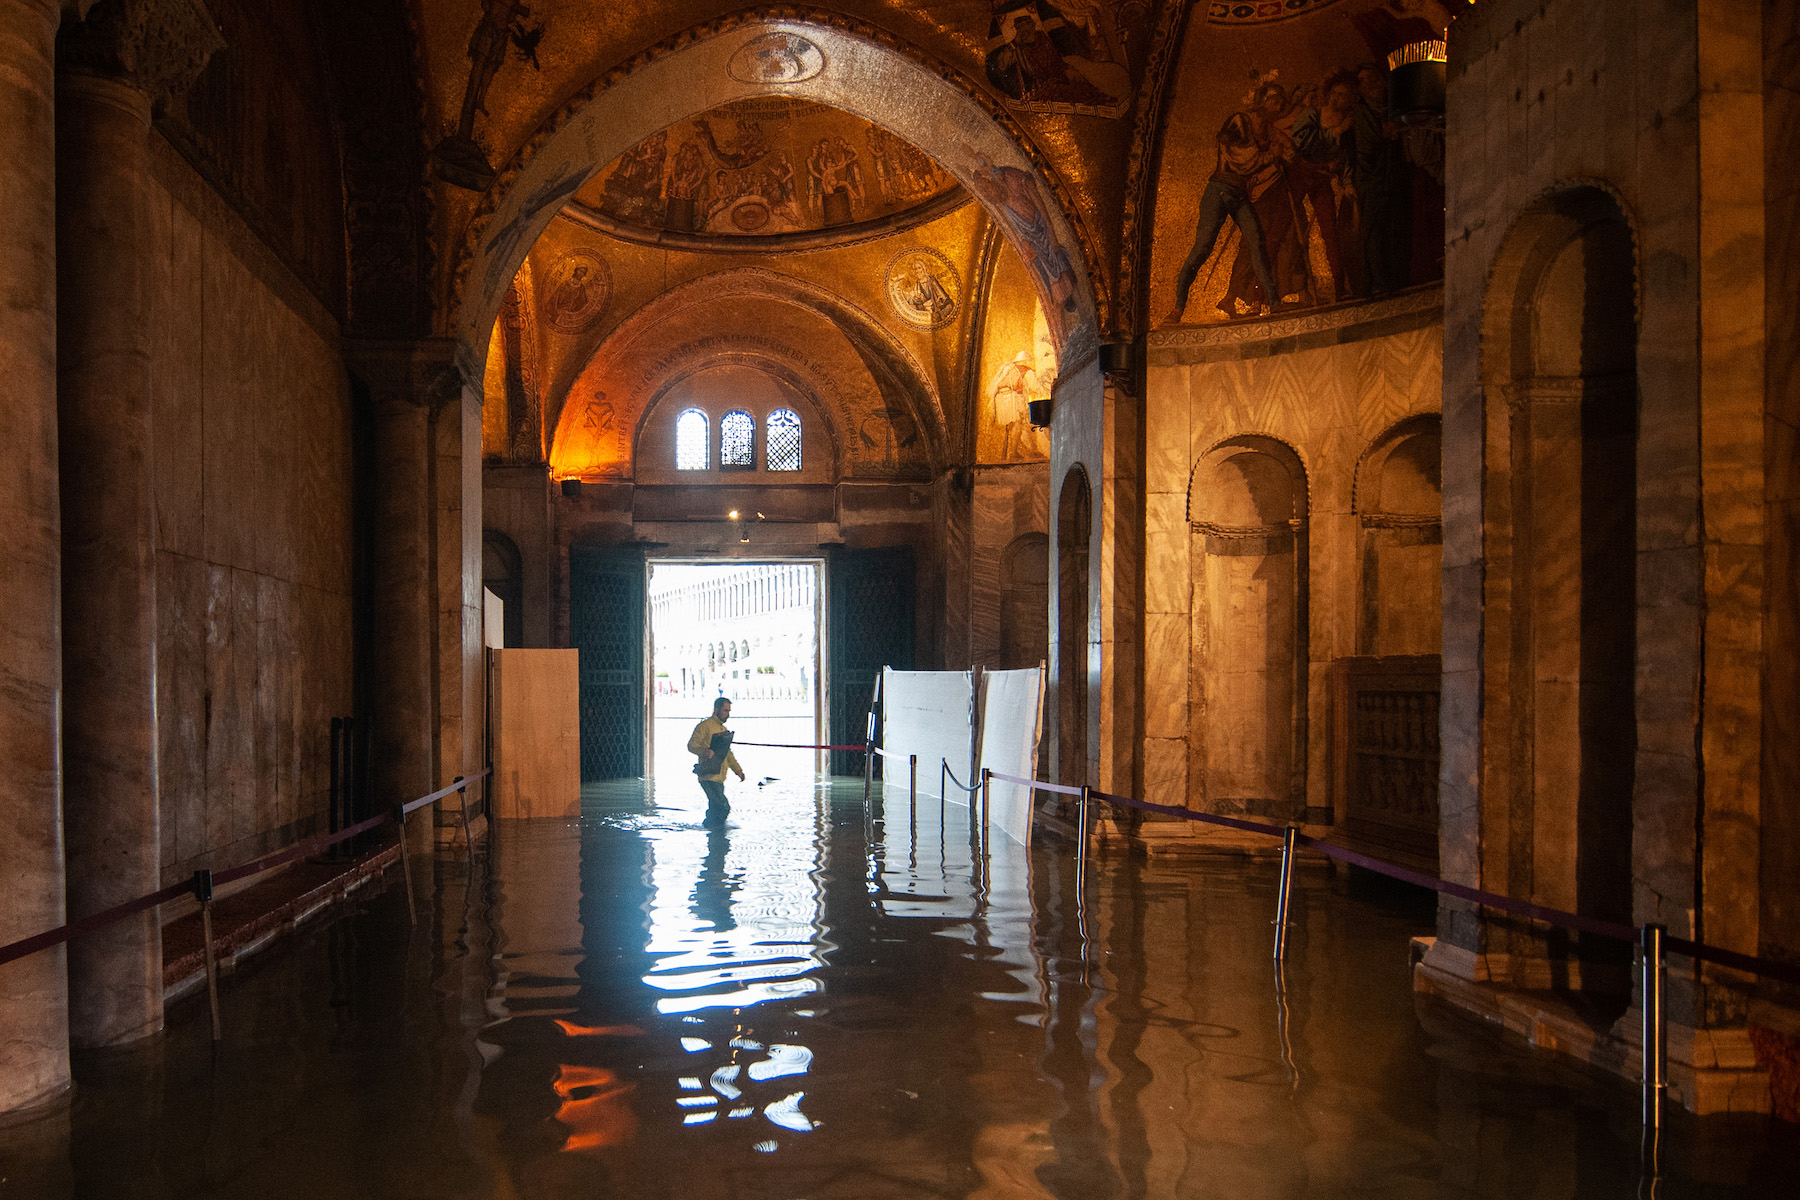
<point x="1559" y="348"/>
<point x="1247" y="507"/>
<point x="1398" y="501"/>
<point x="758" y="389"/>
<point x="503" y="573"/>
<point x="1025" y="601"/>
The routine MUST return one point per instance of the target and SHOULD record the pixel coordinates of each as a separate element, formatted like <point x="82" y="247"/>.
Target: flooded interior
<point x="811" y="1004"/>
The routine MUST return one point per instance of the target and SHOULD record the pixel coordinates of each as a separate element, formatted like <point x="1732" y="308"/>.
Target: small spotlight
<point x="571" y="487"/>
<point x="733" y="514"/>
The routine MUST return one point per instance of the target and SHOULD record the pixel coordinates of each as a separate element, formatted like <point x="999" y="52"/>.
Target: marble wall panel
<point x="252" y="476"/>
<point x="1780" y="852"/>
<point x="1328" y="404"/>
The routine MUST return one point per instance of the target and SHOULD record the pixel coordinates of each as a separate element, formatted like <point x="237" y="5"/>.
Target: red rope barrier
<point x="312" y="845"/>
<point x="798" y="746"/>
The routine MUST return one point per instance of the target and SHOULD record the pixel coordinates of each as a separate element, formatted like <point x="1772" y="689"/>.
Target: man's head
<point x="1371" y="81"/>
<point x="722" y="708"/>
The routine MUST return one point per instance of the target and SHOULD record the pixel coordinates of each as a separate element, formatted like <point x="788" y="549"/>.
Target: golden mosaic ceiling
<point x="776" y="172"/>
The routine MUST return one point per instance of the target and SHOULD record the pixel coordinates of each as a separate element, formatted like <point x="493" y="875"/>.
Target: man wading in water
<point x="711" y="768"/>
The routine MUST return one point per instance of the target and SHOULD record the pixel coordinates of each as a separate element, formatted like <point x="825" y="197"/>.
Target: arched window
<point x="737" y="440"/>
<point x="690" y="441"/>
<point x="783" y="453"/>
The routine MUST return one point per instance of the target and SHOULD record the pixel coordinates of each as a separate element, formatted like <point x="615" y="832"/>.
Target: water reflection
<point x="817" y="1001"/>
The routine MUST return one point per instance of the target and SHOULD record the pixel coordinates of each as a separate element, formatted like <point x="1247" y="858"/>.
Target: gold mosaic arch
<point x="965" y="130"/>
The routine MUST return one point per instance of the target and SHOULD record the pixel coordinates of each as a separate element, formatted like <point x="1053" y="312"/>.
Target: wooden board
<point x="537" y="733"/>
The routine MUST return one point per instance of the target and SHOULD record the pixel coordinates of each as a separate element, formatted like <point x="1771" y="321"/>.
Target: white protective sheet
<point x="1012" y="708"/>
<point x="930" y="714"/>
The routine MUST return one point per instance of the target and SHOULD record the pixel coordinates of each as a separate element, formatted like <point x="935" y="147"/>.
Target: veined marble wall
<point x="251" y="442"/>
<point x="1661" y="109"/>
<point x="1326" y="386"/>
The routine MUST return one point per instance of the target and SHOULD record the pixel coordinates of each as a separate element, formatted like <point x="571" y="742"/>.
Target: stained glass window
<point x="737" y="439"/>
<point x="784" y="440"/>
<point x="690" y="441"/>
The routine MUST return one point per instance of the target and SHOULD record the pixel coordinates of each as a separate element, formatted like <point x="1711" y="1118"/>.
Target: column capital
<point x="157" y="46"/>
<point x="422" y="372"/>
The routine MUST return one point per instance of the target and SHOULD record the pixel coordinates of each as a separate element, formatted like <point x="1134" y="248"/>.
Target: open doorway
<point x="748" y="631"/>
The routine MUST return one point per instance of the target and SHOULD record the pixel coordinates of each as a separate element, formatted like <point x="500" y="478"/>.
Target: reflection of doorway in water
<point x="748" y="631"/>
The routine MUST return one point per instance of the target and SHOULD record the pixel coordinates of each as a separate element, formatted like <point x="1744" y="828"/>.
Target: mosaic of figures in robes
<point x="1063" y="57"/>
<point x="1317" y="194"/>
<point x="765" y="166"/>
<point x="1020" y="362"/>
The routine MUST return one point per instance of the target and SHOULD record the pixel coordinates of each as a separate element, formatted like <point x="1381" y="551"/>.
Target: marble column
<point x="111" y="69"/>
<point x="406" y="384"/>
<point x="34" y="1055"/>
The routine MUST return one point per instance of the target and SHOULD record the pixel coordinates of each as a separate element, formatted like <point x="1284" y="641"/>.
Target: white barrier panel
<point x="930" y="714"/>
<point x="1012" y="712"/>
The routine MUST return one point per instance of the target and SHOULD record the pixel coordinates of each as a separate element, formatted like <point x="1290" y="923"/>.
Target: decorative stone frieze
<point x="158" y="46"/>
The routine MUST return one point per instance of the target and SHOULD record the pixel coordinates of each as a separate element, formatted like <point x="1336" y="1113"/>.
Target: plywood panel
<point x="537" y="733"/>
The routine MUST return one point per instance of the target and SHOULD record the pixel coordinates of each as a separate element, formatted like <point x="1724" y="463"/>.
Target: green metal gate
<point x="871" y="628"/>
<point x="606" y="624"/>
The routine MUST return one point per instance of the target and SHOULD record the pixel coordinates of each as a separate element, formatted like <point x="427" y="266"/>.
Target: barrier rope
<point x="799" y="746"/>
<point x="312" y="845"/>
<point x="1060" y="788"/>
<point x="971" y="789"/>
<point x="1749" y="964"/>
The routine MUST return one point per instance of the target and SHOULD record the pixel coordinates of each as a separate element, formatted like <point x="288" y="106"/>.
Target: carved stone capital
<point x="423" y="373"/>
<point x="157" y="46"/>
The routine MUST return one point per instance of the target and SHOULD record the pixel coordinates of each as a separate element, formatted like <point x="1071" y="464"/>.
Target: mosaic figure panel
<point x="1066" y="57"/>
<point x="768" y="165"/>
<point x="1018" y="366"/>
<point x="1313" y="193"/>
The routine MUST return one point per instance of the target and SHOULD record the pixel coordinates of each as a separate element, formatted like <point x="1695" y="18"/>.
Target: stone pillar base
<point x="1710" y="1070"/>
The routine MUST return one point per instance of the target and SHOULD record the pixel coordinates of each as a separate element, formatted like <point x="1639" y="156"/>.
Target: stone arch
<point x="1397" y="497"/>
<point x="857" y="71"/>
<point x="1559" y="366"/>
<point x="1248" y="508"/>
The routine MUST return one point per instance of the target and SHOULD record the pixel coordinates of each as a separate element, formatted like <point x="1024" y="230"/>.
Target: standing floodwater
<point x="809" y="1005"/>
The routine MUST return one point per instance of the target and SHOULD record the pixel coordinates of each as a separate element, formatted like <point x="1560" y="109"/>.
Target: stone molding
<point x="1546" y="391"/>
<point x="1235" y="532"/>
<point x="159" y="47"/>
<point x="1383" y="520"/>
<point x="1239" y="335"/>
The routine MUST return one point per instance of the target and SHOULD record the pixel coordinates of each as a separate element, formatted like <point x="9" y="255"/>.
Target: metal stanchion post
<point x="1288" y="842"/>
<point x="987" y="788"/>
<point x="868" y="770"/>
<point x="462" y="794"/>
<point x="1081" y="842"/>
<point x="943" y="778"/>
<point x="912" y="767"/>
<point x="203" y="892"/>
<point x="412" y="909"/>
<point x="1656" y="1025"/>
